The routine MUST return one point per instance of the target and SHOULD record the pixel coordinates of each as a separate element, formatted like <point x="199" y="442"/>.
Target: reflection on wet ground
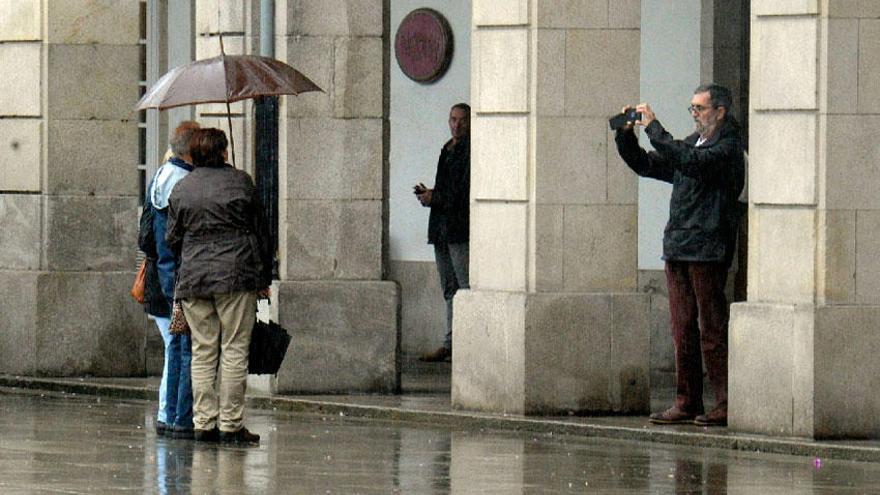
<point x="54" y="443"/>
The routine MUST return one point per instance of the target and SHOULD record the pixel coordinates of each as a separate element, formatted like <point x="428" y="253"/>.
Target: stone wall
<point x="553" y="321"/>
<point x="20" y="99"/>
<point x="68" y="188"/>
<point x="238" y="22"/>
<point x="423" y="316"/>
<point x="333" y="181"/>
<point x="802" y="348"/>
<point x="423" y="310"/>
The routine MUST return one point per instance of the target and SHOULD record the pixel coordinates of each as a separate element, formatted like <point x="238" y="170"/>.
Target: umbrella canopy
<point x="225" y="79"/>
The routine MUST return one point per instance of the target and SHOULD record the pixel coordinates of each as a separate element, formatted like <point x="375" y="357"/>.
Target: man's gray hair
<point x="180" y="138"/>
<point x="718" y="95"/>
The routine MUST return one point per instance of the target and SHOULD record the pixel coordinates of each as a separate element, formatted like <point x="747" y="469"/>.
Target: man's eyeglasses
<point x="699" y="108"/>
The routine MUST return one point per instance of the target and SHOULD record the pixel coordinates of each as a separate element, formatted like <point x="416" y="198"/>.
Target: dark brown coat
<point x="215" y="226"/>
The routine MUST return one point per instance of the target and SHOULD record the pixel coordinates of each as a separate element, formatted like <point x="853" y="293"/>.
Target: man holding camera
<point x="707" y="174"/>
<point x="449" y="222"/>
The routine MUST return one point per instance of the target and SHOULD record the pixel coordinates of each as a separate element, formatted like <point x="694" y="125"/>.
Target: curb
<point x="470" y="420"/>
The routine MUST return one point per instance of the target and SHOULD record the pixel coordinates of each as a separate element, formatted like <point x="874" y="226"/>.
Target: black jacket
<point x="450" y="201"/>
<point x="706" y="182"/>
<point x="155" y="302"/>
<point x="216" y="227"/>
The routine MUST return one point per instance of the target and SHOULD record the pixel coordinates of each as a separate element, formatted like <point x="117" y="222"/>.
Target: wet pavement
<point x="63" y="443"/>
<point x="425" y="399"/>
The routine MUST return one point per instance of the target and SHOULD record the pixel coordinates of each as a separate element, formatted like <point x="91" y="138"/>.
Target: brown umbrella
<point x="225" y="79"/>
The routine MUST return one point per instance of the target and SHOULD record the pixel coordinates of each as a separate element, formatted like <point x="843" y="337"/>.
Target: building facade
<point x="566" y="305"/>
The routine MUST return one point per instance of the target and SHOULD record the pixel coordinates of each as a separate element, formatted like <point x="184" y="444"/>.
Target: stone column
<point x="553" y="321"/>
<point x="332" y="294"/>
<point x="180" y="40"/>
<point x="68" y="208"/>
<point x="804" y="347"/>
<point x="238" y="22"/>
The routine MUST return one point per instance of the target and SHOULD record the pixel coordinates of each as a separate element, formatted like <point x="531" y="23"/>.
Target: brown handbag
<point x="137" y="289"/>
<point x="179" y="325"/>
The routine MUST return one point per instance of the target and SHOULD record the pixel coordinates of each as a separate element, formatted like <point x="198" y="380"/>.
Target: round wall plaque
<point x="423" y="45"/>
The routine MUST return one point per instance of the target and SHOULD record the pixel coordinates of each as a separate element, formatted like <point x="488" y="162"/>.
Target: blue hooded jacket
<point x="163" y="183"/>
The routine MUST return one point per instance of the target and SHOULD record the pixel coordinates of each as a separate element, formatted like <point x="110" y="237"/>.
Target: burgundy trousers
<point x="698" y="319"/>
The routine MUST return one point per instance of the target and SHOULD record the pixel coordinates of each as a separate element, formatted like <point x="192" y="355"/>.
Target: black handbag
<point x="268" y="347"/>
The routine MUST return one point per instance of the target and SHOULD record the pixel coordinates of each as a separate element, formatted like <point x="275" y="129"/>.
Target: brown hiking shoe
<point x="441" y="354"/>
<point x="715" y="417"/>
<point x="671" y="416"/>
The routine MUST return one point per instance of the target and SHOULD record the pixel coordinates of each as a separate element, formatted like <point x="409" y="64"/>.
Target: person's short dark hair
<point x="718" y="95"/>
<point x="462" y="106"/>
<point x="181" y="137"/>
<point x="207" y="147"/>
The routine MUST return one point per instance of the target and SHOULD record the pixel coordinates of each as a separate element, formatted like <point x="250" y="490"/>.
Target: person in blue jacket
<point x="175" y="391"/>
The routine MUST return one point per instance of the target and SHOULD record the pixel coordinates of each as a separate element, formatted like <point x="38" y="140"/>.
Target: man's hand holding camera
<point x="631" y="116"/>
<point x="647" y="114"/>
<point x="644" y="115"/>
<point x="423" y="194"/>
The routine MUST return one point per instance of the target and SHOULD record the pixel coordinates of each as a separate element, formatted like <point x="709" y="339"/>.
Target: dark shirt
<point x="450" y="200"/>
<point x="706" y="182"/>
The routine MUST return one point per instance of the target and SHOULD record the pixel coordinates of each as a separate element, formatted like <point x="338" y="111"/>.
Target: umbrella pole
<point x="228" y="110"/>
<point x="231" y="137"/>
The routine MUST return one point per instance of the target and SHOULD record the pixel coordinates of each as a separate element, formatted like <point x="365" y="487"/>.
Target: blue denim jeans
<point x="175" y="390"/>
<point x="453" y="268"/>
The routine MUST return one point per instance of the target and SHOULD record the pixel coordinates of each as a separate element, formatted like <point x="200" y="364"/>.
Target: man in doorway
<point x="706" y="172"/>
<point x="449" y="222"/>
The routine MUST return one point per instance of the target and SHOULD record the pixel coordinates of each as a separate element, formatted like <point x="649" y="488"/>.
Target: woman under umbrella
<point x="215" y="225"/>
<point x="175" y="393"/>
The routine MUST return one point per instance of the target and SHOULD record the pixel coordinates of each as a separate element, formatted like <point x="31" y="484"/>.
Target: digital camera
<point x="623" y="119"/>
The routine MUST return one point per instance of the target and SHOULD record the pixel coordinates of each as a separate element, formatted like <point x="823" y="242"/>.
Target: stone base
<point x="423" y="310"/>
<point x="807" y="371"/>
<point x="70" y="324"/>
<point x="345" y="336"/>
<point x="551" y="353"/>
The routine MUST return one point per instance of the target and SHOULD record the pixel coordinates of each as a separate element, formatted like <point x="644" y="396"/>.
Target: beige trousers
<point x="221" y="332"/>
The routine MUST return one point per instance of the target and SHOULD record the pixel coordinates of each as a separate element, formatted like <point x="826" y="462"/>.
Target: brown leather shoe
<point x="212" y="435"/>
<point x="715" y="417"/>
<point x="242" y="436"/>
<point x="671" y="416"/>
<point x="441" y="354"/>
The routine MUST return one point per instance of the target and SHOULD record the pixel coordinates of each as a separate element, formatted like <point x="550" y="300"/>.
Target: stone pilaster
<point x="332" y="293"/>
<point x="238" y="22"/>
<point x="68" y="208"/>
<point x="553" y="321"/>
<point x="803" y="348"/>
